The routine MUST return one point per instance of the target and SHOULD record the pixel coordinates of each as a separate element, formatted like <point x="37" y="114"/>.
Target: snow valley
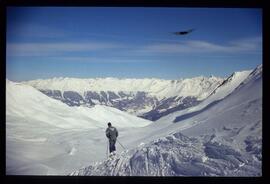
<point x="190" y="127"/>
<point x="148" y="98"/>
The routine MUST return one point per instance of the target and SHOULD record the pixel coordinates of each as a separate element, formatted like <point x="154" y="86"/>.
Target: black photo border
<point x="137" y="3"/>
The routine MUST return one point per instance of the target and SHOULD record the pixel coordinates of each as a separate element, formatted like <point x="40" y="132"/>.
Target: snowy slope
<point x="223" y="140"/>
<point x="219" y="93"/>
<point x="27" y="102"/>
<point x="176" y="155"/>
<point x="243" y="107"/>
<point x="102" y="113"/>
<point x="45" y="136"/>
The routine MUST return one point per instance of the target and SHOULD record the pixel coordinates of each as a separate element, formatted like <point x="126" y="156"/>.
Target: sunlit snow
<point x="222" y="136"/>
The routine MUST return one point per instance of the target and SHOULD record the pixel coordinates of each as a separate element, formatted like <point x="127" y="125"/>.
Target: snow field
<point x="224" y="138"/>
<point x="206" y="144"/>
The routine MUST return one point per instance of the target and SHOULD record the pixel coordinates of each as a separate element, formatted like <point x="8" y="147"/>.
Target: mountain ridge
<point x="224" y="140"/>
<point x="150" y="85"/>
<point x="139" y="97"/>
<point x="149" y="98"/>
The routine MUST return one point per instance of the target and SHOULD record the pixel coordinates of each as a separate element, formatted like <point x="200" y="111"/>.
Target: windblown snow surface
<point x="46" y="136"/>
<point x="222" y="136"/>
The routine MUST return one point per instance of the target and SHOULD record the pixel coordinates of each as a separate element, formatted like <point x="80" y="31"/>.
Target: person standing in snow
<point x="112" y="134"/>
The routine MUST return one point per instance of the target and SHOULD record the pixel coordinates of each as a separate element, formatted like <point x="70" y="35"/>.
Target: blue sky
<point x="88" y="42"/>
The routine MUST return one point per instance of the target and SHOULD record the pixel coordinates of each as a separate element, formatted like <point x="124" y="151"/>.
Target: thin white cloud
<point x="254" y="43"/>
<point x="51" y="49"/>
<point x="35" y="31"/>
<point x="199" y="46"/>
<point x="248" y="45"/>
<point x="98" y="59"/>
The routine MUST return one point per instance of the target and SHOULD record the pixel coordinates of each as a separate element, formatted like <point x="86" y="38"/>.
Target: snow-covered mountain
<point x="147" y="98"/>
<point x="224" y="89"/>
<point x="41" y="132"/>
<point x="221" y="139"/>
<point x="27" y="102"/>
<point x="220" y="136"/>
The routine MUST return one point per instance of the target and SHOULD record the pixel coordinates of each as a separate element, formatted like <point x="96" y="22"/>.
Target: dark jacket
<point x="112" y="133"/>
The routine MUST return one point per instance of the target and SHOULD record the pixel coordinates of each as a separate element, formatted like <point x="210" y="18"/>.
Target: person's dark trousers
<point x="112" y="145"/>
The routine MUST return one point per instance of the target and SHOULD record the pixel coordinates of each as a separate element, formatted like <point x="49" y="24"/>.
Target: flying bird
<point x="183" y="32"/>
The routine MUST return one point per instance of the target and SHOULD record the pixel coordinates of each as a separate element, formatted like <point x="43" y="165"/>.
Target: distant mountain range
<point x="147" y="98"/>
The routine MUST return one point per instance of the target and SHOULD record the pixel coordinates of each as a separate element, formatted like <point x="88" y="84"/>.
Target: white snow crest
<point x="175" y="155"/>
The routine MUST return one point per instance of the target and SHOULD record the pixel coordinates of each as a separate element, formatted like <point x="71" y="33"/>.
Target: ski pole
<point x="120" y="144"/>
<point x="107" y="147"/>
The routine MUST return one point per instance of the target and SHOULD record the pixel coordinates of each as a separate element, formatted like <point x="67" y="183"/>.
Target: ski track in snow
<point x="207" y="143"/>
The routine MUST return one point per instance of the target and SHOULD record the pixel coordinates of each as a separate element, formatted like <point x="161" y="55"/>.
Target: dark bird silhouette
<point x="183" y="32"/>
